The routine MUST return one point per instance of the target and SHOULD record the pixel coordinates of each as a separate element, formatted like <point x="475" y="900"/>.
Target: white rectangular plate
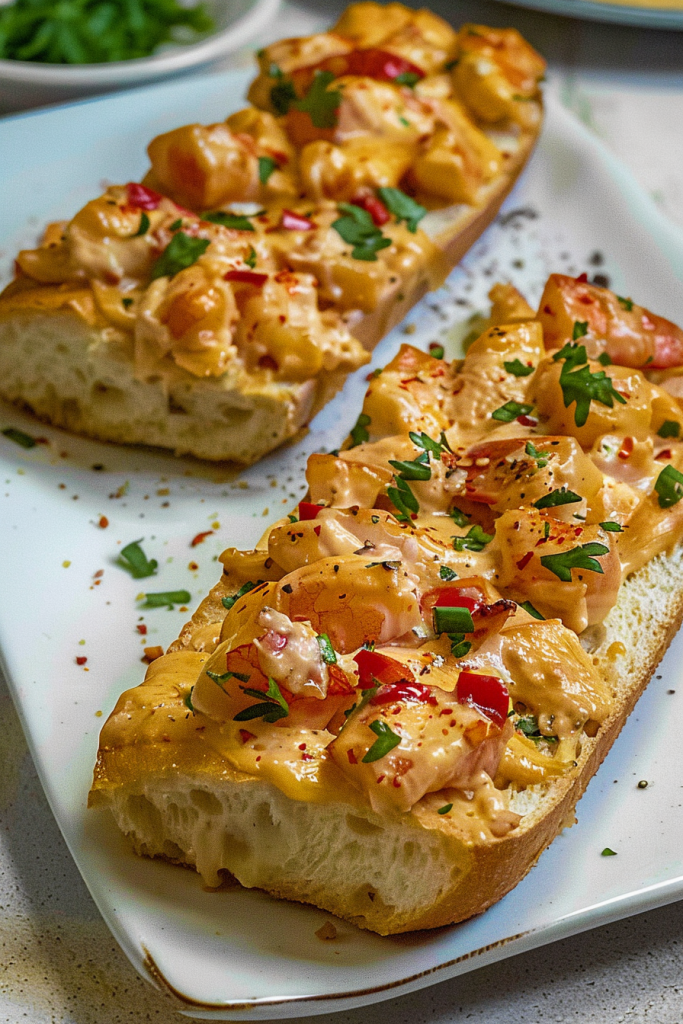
<point x="238" y="954"/>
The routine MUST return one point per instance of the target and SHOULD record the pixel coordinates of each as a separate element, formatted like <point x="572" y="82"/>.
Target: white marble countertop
<point x="58" y="962"/>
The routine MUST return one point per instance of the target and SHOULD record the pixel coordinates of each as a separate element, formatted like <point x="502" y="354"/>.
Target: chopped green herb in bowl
<point x="96" y="31"/>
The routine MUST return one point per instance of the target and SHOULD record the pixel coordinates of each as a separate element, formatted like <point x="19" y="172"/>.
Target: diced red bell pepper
<point x="404" y="691"/>
<point x="307" y="510"/>
<point x="487" y="694"/>
<point x="246" y="277"/>
<point x="374" y="668"/>
<point x="296" y="221"/>
<point x="142" y="197"/>
<point x="452" y="597"/>
<point x="380" y="64"/>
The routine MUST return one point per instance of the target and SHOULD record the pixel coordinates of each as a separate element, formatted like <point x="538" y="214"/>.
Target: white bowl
<point x="26" y="84"/>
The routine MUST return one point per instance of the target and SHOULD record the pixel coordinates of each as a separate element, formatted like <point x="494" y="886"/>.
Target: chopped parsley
<point x="445" y="809"/>
<point x="402" y="206"/>
<point x="181" y="252"/>
<point x="266" y="166"/>
<point x="386" y="741"/>
<point x="448" y="574"/>
<point x="144" y="226"/>
<point x="612" y="527"/>
<point x="510" y="411"/>
<point x="581" y="385"/>
<point x="167" y="598"/>
<point x="580" y="329"/>
<point x="669" y="487"/>
<point x="474" y="540"/>
<point x="234" y="221"/>
<point x="320" y="103"/>
<point x="224" y="676"/>
<point x="19" y="437"/>
<point x="529" y="608"/>
<point x="250" y="260"/>
<point x="669" y="428"/>
<point x="133" y="559"/>
<point x="271" y="707"/>
<point x="228" y="602"/>
<point x="358" y="229"/>
<point x="283" y="93"/>
<point x="604" y="359"/>
<point x="540" y="458"/>
<point x="404" y="500"/>
<point x="176" y="225"/>
<point x="626" y="304"/>
<point x="418" y="469"/>
<point x="558" y="497"/>
<point x="459" y="518"/>
<point x="187" y="699"/>
<point x="428" y="444"/>
<point x="126" y="303"/>
<point x="326" y="649"/>
<point x="580" y="557"/>
<point x="518" y="369"/>
<point x="359" y="433"/>
<point x="409" y="78"/>
<point x="608" y="853"/>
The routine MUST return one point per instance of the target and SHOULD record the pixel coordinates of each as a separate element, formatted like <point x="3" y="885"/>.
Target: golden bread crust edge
<point x="277" y="412"/>
<point x="643" y="622"/>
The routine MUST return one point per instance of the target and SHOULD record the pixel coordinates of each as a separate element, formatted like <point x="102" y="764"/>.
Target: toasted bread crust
<point x="57" y="359"/>
<point x="633" y="640"/>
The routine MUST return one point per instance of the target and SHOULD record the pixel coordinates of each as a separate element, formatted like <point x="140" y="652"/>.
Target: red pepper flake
<point x="142" y="197"/>
<point x="352" y="757"/>
<point x="302" y="746"/>
<point x="316" y="530"/>
<point x="296" y="221"/>
<point x="99" y="574"/>
<point x="103" y="522"/>
<point x="446" y="711"/>
<point x="582" y="279"/>
<point x="523" y="562"/>
<point x="246" y="277"/>
<point x="268" y="363"/>
<point x="192" y="566"/>
<point x="664" y="454"/>
<point x="396" y="782"/>
<point x="380" y="778"/>
<point x="626" y="448"/>
<point x="527" y="421"/>
<point x="548" y="311"/>
<point x="245" y="735"/>
<point x="81" y="660"/>
<point x="200" y="538"/>
<point x="141" y="628"/>
<point x="307" y="757"/>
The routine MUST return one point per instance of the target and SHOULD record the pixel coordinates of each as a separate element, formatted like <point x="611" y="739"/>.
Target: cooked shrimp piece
<point x="413" y="392"/>
<point x="588" y="400"/>
<point x="554" y="471"/>
<point x="630" y="334"/>
<point x="565" y="571"/>
<point x="354" y="603"/>
<point x="429" y="741"/>
<point x="230" y="685"/>
<point x="485" y="384"/>
<point x="374" y="533"/>
<point x="340" y="483"/>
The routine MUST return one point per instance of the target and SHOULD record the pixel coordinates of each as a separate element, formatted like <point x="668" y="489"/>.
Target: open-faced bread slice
<point x="391" y="706"/>
<point x="215" y="308"/>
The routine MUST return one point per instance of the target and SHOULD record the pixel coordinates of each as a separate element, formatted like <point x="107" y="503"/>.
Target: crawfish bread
<point x="391" y="706"/>
<point x="215" y="307"/>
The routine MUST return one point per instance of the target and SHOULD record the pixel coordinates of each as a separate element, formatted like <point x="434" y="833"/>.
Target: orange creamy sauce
<point x="525" y="518"/>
